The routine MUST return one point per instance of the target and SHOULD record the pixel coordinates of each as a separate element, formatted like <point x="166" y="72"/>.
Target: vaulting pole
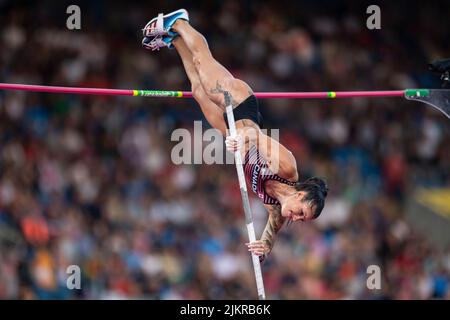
<point x="245" y="200"/>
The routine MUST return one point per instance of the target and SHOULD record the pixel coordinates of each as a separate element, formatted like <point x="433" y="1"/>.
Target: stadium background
<point x="88" y="181"/>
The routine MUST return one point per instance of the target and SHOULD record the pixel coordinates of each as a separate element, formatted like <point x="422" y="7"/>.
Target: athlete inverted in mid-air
<point x="269" y="167"/>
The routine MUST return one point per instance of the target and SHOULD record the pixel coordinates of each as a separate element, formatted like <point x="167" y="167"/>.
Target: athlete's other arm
<point x="264" y="246"/>
<point x="279" y="159"/>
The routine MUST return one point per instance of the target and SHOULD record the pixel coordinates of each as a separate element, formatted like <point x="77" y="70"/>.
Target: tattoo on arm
<point x="274" y="224"/>
<point x="219" y="89"/>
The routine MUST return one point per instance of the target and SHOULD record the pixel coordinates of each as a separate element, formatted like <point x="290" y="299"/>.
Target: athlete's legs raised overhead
<point x="214" y="77"/>
<point x="210" y="78"/>
<point x="213" y="113"/>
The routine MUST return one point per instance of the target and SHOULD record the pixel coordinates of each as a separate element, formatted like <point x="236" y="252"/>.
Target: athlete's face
<point x="296" y="209"/>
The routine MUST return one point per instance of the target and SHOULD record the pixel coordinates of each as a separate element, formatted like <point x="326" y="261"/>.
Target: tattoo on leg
<point x="219" y="89"/>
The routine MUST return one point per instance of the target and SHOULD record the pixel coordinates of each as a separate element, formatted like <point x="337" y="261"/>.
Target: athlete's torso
<point x="257" y="173"/>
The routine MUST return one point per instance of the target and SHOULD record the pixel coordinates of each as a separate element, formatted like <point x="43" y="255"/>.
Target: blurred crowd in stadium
<point x="88" y="180"/>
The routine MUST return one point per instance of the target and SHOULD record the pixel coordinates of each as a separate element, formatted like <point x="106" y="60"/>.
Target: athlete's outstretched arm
<point x="264" y="246"/>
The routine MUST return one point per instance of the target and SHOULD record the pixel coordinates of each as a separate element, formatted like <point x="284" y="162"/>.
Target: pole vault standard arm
<point x="437" y="98"/>
<point x="245" y="200"/>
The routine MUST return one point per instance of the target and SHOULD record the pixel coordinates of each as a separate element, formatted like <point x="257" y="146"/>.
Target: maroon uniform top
<point x="257" y="173"/>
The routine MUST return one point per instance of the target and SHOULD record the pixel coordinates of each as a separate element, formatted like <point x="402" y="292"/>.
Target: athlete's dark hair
<point x="316" y="190"/>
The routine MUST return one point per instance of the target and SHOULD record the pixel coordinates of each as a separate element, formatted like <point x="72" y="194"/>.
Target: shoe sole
<point x="166" y="32"/>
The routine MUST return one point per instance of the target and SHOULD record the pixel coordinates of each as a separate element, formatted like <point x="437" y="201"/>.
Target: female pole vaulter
<point x="269" y="167"/>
